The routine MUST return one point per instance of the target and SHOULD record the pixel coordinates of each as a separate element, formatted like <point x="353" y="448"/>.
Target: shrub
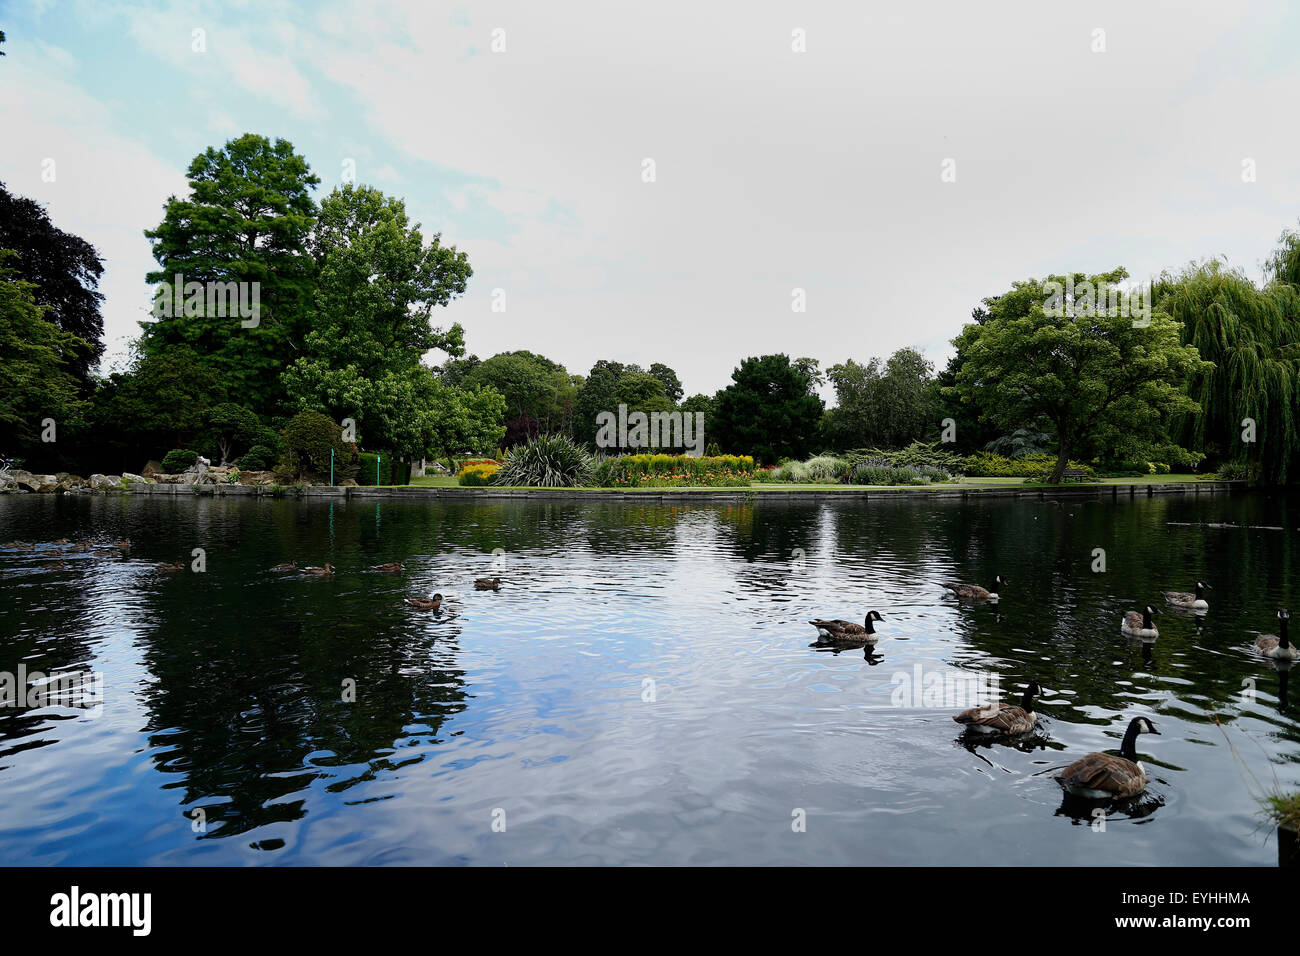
<point x="827" y="468"/>
<point x="548" y="461"/>
<point x="258" y="458"/>
<point x="668" y="471"/>
<point x="883" y="473"/>
<point x="1021" y="442"/>
<point x="177" y="460"/>
<point x="308" y="440"/>
<point x="478" y="474"/>
<point x="916" y="455"/>
<point x="985" y="465"/>
<point x="1233" y="471"/>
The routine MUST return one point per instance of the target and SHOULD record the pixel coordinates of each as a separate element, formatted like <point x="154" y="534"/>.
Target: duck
<point x="56" y="566"/>
<point x="487" y="584"/>
<point x="1276" y="646"/>
<point x="1104" y="776"/>
<point x="426" y="604"/>
<point x="60" y="542"/>
<point x="18" y="545"/>
<point x="1003" y="718"/>
<point x="973" y="592"/>
<point x="80" y="546"/>
<point x="105" y="553"/>
<point x="1191" y="602"/>
<point x="393" y="567"/>
<point x="846" y="632"/>
<point x="178" y="566"/>
<point x="328" y="569"/>
<point x="123" y="545"/>
<point x="286" y="566"/>
<point x="1139" y="624"/>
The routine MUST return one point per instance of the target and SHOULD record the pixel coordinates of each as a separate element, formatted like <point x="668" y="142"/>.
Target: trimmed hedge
<point x="391" y="469"/>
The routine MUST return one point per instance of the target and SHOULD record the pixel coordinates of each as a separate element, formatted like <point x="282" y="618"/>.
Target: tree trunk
<point x="1062" y="462"/>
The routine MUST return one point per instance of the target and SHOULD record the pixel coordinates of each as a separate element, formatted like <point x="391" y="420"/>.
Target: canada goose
<point x="426" y="604"/>
<point x="1003" y="718"/>
<point x="393" y="567"/>
<point x="178" y="566"/>
<point x="1102" y="776"/>
<point x="1192" y="602"/>
<point x="487" y="584"/>
<point x="286" y="566"/>
<point x="1139" y="624"/>
<point x="973" y="592"/>
<point x="1277" y="646"/>
<point x="846" y="632"/>
<point x="328" y="569"/>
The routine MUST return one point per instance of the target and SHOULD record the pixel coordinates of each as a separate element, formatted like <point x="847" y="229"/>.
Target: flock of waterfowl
<point x="1095" y="776"/>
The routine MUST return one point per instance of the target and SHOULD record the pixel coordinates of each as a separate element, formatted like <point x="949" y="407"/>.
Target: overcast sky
<point x="774" y="169"/>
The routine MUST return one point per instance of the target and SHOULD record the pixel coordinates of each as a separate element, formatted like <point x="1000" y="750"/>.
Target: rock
<point x="135" y="479"/>
<point x="8" y="485"/>
<point x="69" y="482"/>
<point x="104" y="482"/>
<point x="347" y="483"/>
<point x="47" y="484"/>
<point x="25" y="479"/>
<point x="152" y="469"/>
<point x="256" y="478"/>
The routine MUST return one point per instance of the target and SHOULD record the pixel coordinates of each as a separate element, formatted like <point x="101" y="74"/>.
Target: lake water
<point x="641" y="689"/>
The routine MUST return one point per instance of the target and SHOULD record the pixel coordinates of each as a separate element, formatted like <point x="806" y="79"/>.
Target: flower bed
<point x="475" y="474"/>
<point x="675" y="471"/>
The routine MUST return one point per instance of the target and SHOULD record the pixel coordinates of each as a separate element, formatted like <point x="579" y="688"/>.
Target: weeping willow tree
<point x="1252" y="337"/>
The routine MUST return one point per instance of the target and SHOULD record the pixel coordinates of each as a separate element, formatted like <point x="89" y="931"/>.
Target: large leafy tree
<point x="247" y="219"/>
<point x="1083" y="373"/>
<point x="770" y="410"/>
<point x="159" y="402"/>
<point x="37" y="380"/>
<point x="611" y="384"/>
<point x="533" y="386"/>
<point x="1251" y="336"/>
<point x="888" y="404"/>
<point x="65" y="271"/>
<point x="377" y="284"/>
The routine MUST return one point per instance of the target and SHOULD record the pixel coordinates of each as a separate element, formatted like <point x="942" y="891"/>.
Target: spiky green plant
<point x="547" y="461"/>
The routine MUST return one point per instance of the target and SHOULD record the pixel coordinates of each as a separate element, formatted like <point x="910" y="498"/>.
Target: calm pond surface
<point x="641" y="689"/>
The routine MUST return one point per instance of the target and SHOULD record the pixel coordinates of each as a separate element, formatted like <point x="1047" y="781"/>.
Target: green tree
<point x="247" y="220"/>
<point x="1082" y="372"/>
<point x="533" y="387"/>
<point x="65" y="270"/>
<point x="232" y="426"/>
<point x="37" y="378"/>
<point x="770" y="410"/>
<point x="1252" y="338"/>
<point x="668" y="378"/>
<point x="370" y="322"/>
<point x="161" y="401"/>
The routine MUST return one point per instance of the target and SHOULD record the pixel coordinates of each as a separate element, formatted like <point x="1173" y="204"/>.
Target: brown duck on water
<point x="1003" y="718"/>
<point x="837" y="631"/>
<point x="973" y="592"/>
<point x="1101" y="775"/>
